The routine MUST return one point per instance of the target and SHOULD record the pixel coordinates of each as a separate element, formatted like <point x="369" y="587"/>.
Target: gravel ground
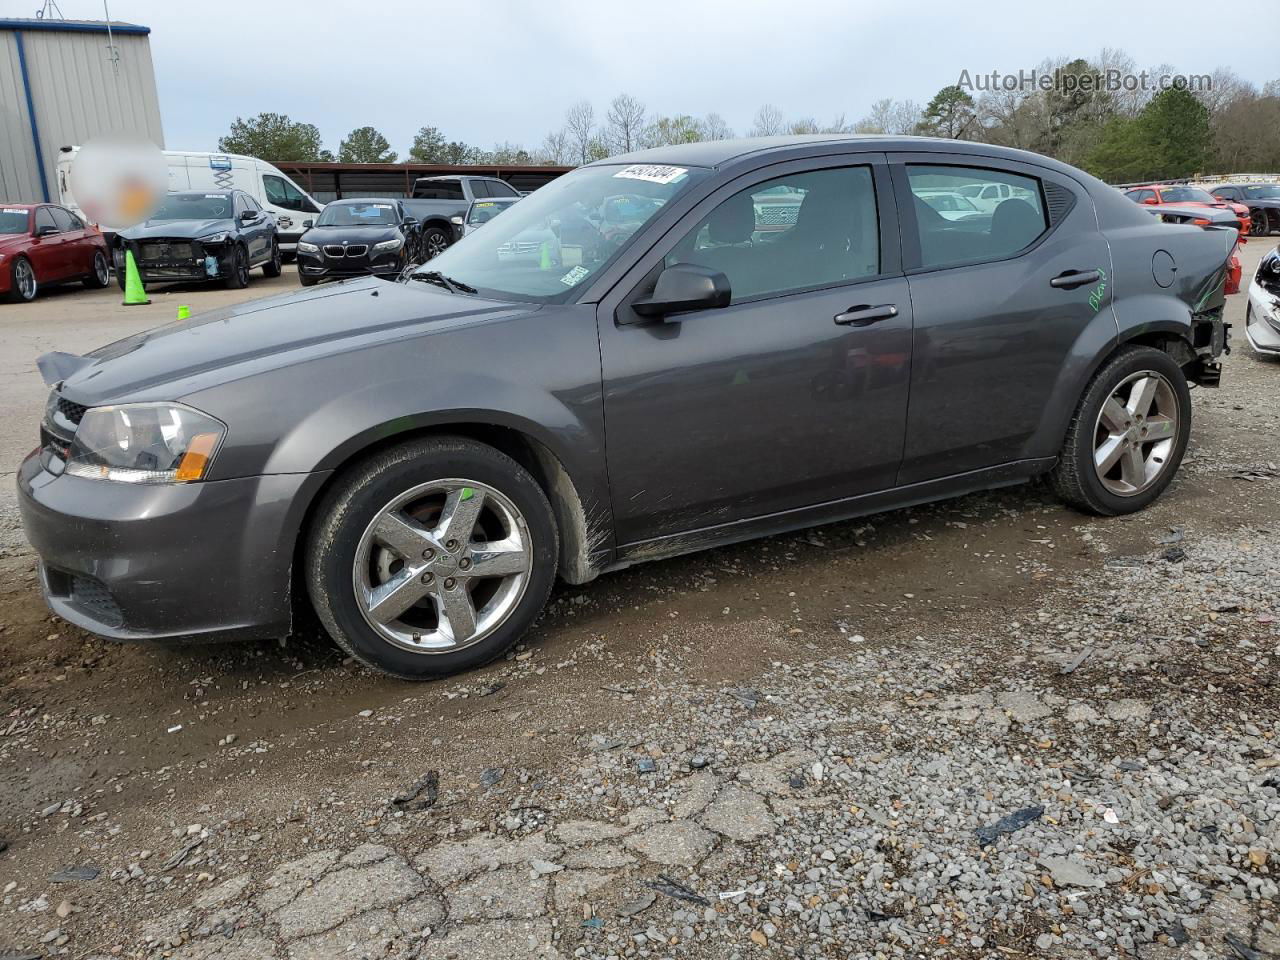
<point x="986" y="728"/>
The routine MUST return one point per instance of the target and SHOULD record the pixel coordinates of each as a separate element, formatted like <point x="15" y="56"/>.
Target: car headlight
<point x="144" y="443"/>
<point x="215" y="238"/>
<point x="387" y="246"/>
<point x="305" y="247"/>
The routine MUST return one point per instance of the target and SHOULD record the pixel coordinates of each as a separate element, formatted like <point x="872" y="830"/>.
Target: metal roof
<point x="72" y="26"/>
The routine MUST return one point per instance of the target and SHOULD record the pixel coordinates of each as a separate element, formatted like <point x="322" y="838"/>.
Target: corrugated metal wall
<point x="19" y="179"/>
<point x="77" y="96"/>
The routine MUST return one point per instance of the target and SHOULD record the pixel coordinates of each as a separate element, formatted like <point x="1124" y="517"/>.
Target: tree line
<point x="1119" y="135"/>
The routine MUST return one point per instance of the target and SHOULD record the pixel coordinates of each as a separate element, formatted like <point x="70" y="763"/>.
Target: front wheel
<point x="1128" y="435"/>
<point x="434" y="242"/>
<point x="432" y="557"/>
<point x="238" y="269"/>
<point x="23" y="285"/>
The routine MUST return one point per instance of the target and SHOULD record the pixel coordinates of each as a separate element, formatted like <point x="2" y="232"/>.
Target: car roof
<point x="346" y="200"/>
<point x="723" y="153"/>
<point x="201" y="193"/>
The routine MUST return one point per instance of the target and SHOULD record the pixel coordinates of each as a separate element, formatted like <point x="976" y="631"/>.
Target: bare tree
<point x="769" y="122"/>
<point x="555" y="148"/>
<point x="580" y="122"/>
<point x="890" y="116"/>
<point x="803" y="125"/>
<point x="625" y="121"/>
<point x="715" y="128"/>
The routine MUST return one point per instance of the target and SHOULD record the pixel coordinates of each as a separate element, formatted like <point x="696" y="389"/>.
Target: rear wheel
<point x="22" y="281"/>
<point x="273" y="266"/>
<point x="101" y="275"/>
<point x="238" y="269"/>
<point x="1128" y="435"/>
<point x="433" y="557"/>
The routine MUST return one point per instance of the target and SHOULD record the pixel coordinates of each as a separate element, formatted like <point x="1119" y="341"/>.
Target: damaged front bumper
<point x="177" y="260"/>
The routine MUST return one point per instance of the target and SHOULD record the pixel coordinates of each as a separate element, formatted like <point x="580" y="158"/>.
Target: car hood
<point x="247" y="339"/>
<point x="370" y="234"/>
<point x="177" y="228"/>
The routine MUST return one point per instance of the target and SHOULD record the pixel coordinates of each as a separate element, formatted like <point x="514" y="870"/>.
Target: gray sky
<point x="498" y="70"/>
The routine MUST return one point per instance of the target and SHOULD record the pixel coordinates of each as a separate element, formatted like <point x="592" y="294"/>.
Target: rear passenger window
<point x="480" y="189"/>
<point x="798" y="232"/>
<point x="966" y="214"/>
<point x="500" y="188"/>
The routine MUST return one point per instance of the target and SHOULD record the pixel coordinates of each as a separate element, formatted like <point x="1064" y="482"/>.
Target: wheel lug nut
<point x="428" y="553"/>
<point x="464" y="563"/>
<point x="450" y="583"/>
<point x="428" y="578"/>
<point x="451" y="545"/>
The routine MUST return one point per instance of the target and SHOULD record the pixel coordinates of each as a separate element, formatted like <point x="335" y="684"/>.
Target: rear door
<point x="1000" y="301"/>
<point x="793" y="395"/>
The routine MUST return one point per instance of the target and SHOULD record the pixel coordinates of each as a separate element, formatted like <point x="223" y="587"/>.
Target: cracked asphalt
<point x="782" y="748"/>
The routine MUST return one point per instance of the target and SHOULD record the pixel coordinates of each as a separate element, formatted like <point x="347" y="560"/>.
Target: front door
<point x="1001" y="299"/>
<point x="48" y="252"/>
<point x="793" y="395"/>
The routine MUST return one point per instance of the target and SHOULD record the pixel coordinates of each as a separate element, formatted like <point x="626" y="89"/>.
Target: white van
<point x="275" y="192"/>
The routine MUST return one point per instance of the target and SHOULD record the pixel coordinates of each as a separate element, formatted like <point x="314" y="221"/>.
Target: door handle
<point x="864" y="315"/>
<point x="1071" y="279"/>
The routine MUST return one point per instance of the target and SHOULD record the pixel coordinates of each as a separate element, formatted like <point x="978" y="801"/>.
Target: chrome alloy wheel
<point x="1135" y="433"/>
<point x="437" y="243"/>
<point x="24" y="278"/>
<point x="442" y="566"/>
<point x="100" y="270"/>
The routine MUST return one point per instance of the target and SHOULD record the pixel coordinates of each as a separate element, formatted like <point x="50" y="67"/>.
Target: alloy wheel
<point x="100" y="269"/>
<point x="1135" y="433"/>
<point x="24" y="279"/>
<point x="436" y="243"/>
<point x="442" y="566"/>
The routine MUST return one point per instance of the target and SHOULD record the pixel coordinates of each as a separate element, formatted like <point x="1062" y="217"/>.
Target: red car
<point x="43" y="243"/>
<point x="1185" y="196"/>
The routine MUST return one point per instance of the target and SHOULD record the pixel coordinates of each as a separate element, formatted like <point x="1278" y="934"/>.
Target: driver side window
<point x="799" y="232"/>
<point x="44" y="219"/>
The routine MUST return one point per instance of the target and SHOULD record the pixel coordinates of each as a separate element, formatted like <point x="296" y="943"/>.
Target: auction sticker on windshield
<point x="574" y="275"/>
<point x="651" y="172"/>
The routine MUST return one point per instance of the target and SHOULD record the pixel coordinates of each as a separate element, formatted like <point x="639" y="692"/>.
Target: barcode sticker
<point x="574" y="275"/>
<point x="651" y="173"/>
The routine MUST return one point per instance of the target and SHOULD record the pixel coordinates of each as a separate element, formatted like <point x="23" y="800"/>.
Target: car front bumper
<point x="1262" y="326"/>
<point x="322" y="266"/>
<point x="175" y="562"/>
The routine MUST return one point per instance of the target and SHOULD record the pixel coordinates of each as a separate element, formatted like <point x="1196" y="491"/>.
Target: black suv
<point x="203" y="235"/>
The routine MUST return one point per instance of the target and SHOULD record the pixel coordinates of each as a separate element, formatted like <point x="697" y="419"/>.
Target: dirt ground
<point x="109" y="752"/>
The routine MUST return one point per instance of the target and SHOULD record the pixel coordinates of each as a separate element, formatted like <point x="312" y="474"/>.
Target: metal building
<point x="64" y="82"/>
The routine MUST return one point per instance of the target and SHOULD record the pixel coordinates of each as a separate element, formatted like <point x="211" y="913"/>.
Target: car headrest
<point x="734" y="221"/>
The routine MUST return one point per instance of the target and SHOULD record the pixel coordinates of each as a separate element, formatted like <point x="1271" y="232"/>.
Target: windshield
<point x="482" y="211"/>
<point x="555" y="239"/>
<point x="1187" y="195"/>
<point x="358" y="215"/>
<point x="1268" y="191"/>
<point x="13" y="220"/>
<point x="194" y="206"/>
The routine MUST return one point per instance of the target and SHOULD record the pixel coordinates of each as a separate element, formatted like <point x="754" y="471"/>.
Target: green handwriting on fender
<point x="1096" y="298"/>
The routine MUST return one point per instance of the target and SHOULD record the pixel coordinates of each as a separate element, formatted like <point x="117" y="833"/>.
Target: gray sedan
<point x="420" y="460"/>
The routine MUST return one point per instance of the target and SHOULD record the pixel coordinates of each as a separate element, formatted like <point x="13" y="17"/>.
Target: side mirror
<point x="683" y="287"/>
<point x="308" y="224"/>
<point x="410" y="222"/>
<point x="45" y="231"/>
<point x="247" y="215"/>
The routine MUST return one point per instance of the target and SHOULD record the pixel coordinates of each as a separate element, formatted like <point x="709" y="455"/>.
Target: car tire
<point x="23" y="285"/>
<point x="1108" y="466"/>
<point x="238" y="276"/>
<point x="273" y="267"/>
<point x="434" y="242"/>
<point x="101" y="275"/>
<point x="359" y="577"/>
